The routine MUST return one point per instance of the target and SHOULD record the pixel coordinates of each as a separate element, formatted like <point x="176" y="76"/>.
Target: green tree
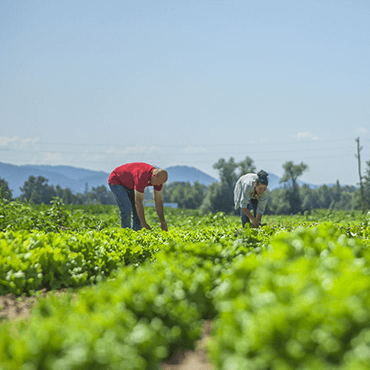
<point x="324" y="196"/>
<point x="290" y="176"/>
<point x="367" y="185"/>
<point x="184" y="194"/>
<point x="213" y="199"/>
<point x="36" y="190"/>
<point x="246" y="166"/>
<point x="79" y="198"/>
<point x="220" y="196"/>
<point x="335" y="195"/>
<point x="173" y="192"/>
<point x="101" y="195"/>
<point x="65" y="194"/>
<point x="278" y="202"/>
<point x="345" y="201"/>
<point x="195" y="198"/>
<point x="87" y="194"/>
<point x="227" y="172"/>
<point x="308" y="197"/>
<point x="5" y="191"/>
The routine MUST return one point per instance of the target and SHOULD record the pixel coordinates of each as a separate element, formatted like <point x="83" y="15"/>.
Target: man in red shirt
<point x="127" y="183"/>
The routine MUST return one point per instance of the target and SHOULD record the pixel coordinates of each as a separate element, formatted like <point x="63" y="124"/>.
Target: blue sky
<point x="95" y="84"/>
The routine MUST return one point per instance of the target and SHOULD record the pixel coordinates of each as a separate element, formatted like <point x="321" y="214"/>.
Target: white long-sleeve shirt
<point x="244" y="192"/>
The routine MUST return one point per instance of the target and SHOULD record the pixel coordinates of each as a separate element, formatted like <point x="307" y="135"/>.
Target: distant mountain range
<point x="76" y="178"/>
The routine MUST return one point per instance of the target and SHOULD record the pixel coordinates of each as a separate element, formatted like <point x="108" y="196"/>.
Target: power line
<point x="303" y="158"/>
<point x="299" y="142"/>
<point x="143" y="151"/>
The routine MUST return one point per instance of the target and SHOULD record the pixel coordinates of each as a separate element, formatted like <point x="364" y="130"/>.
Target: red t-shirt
<point x="133" y="176"/>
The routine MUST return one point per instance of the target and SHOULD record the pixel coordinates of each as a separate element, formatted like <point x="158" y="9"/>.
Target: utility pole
<point x="359" y="148"/>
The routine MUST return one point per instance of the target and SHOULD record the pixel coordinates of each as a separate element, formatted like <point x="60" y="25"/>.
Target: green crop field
<point x="293" y="294"/>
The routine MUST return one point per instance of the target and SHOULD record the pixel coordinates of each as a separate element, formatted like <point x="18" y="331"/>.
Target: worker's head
<point x="261" y="182"/>
<point x="159" y="177"/>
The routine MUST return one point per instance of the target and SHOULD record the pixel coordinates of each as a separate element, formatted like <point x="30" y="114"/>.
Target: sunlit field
<point x="293" y="294"/>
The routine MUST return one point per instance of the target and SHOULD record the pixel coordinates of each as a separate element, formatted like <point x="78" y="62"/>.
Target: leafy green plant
<point x="135" y="320"/>
<point x="300" y="304"/>
<point x="292" y="294"/>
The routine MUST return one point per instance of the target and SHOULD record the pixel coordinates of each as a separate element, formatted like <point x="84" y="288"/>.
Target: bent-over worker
<point x="249" y="194"/>
<point x="127" y="183"/>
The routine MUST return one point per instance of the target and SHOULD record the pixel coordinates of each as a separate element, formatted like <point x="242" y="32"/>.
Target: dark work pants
<point x="252" y="207"/>
<point x="125" y="199"/>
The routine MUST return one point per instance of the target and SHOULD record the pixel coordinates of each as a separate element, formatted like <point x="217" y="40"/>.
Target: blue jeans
<point x="251" y="206"/>
<point x="125" y="199"/>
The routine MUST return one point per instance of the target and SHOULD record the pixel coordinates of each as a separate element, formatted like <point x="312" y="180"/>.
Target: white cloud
<point x="113" y="150"/>
<point x="52" y="157"/>
<point x="18" y="143"/>
<point x="194" y="149"/>
<point x="265" y="140"/>
<point x="8" y="140"/>
<point x="133" y="149"/>
<point x="306" y="135"/>
<point x="25" y="143"/>
<point x="362" y="130"/>
<point x="154" y="149"/>
<point x="138" y="149"/>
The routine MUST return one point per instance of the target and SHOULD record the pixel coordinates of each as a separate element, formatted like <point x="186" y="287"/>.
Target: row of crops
<point x="294" y="294"/>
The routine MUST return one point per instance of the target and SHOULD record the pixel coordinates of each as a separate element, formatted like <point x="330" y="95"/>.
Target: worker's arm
<point x="139" y="198"/>
<point x="158" y="203"/>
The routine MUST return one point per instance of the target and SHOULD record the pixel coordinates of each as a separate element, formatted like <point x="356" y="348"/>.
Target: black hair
<point x="262" y="178"/>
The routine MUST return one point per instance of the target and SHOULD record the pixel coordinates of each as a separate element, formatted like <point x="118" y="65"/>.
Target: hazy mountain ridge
<point x="76" y="178"/>
<point x="191" y="174"/>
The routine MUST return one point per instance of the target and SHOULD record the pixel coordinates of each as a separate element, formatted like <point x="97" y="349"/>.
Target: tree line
<point x="290" y="198"/>
<point x="37" y="190"/>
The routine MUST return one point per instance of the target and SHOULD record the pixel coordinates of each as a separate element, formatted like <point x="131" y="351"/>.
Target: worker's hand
<point x="164" y="226"/>
<point x="146" y="226"/>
